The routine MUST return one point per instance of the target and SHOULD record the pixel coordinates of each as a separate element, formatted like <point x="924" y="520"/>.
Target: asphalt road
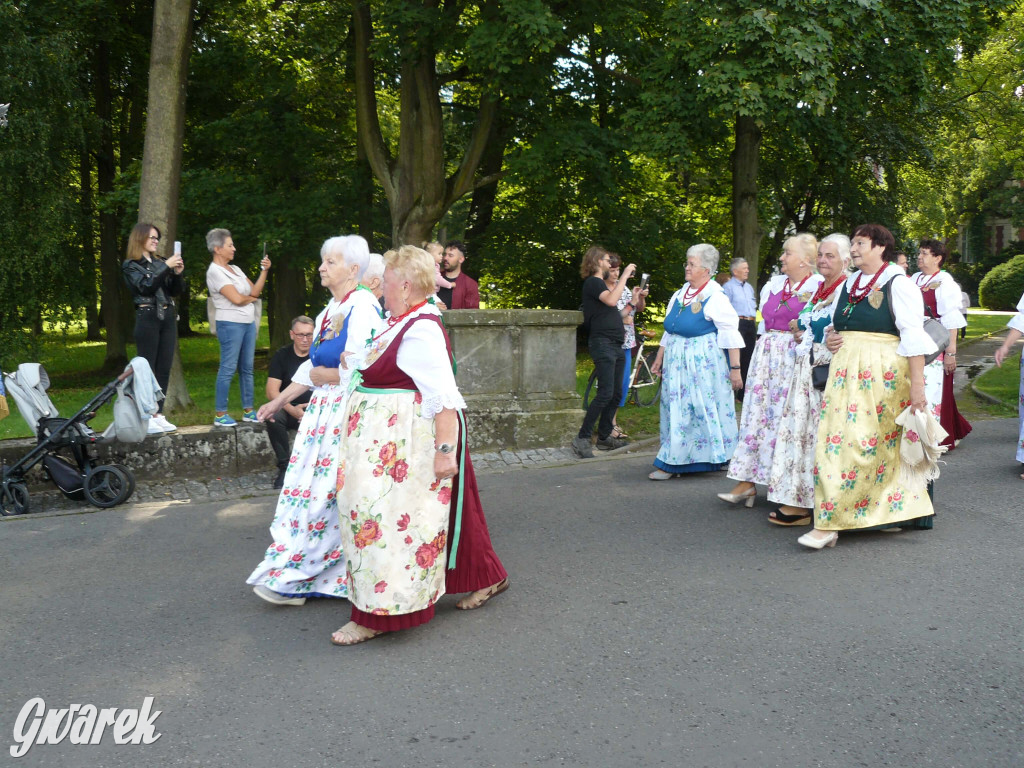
<point x="648" y="624"/>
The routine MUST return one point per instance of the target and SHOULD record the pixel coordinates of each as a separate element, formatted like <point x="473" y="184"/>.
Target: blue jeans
<point x="626" y="372"/>
<point x="237" y="348"/>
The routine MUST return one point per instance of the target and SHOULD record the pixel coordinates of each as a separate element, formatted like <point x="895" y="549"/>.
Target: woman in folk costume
<point x="413" y="526"/>
<point x="305" y="558"/>
<point x="878" y="345"/>
<point x="1016" y="326"/>
<point x="942" y="300"/>
<point x="698" y="407"/>
<point x="771" y="368"/>
<point x="791" y="482"/>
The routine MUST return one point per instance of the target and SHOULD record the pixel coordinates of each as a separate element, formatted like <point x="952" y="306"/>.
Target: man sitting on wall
<point x="282" y="367"/>
<point x="465" y="294"/>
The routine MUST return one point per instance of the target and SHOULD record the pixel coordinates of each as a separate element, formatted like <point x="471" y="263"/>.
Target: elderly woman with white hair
<point x="771" y="367"/>
<point x="791" y="480"/>
<point x="305" y="558"/>
<point x="698" y="407"/>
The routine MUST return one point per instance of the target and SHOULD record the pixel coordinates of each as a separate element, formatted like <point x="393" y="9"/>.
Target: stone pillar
<point x="517" y="371"/>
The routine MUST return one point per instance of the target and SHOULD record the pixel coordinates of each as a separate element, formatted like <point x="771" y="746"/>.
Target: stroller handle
<point x="126" y="375"/>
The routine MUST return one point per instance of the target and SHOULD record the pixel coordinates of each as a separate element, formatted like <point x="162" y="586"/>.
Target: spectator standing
<point x="465" y="293"/>
<point x="603" y="322"/>
<point x="283" y="365"/>
<point x="234" y="299"/>
<point x="741" y="296"/>
<point x="153" y="283"/>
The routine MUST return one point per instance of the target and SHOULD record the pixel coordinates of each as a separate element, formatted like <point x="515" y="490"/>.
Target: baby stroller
<point x="64" y="446"/>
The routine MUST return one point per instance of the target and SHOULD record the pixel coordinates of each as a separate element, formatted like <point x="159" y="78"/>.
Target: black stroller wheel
<point x="13" y="498"/>
<point x="130" y="476"/>
<point x="106" y="486"/>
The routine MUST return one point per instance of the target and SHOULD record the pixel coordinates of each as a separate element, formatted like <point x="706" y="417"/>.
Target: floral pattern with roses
<point x="395" y="540"/>
<point x="767" y="387"/>
<point x="859" y="476"/>
<point x="306" y="529"/>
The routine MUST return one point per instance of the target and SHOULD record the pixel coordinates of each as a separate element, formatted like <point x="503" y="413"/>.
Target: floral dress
<point x="408" y="537"/>
<point x="1017" y="321"/>
<point x="857" y="461"/>
<point x="698" y="407"/>
<point x="768" y="378"/>
<point x="305" y="558"/>
<point x="791" y="481"/>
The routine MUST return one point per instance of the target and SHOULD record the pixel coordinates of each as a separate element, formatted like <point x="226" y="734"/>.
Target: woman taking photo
<point x="698" y="404"/>
<point x="878" y="343"/>
<point x="234" y="297"/>
<point x="630" y="302"/>
<point x="415" y="528"/>
<point x="791" y="481"/>
<point x="771" y="368"/>
<point x="153" y="282"/>
<point x="305" y="558"/>
<point x="942" y="299"/>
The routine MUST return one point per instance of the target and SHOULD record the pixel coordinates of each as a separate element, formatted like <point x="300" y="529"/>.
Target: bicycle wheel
<point x="106" y="486"/>
<point x="646" y="387"/>
<point x="13" y="498"/>
<point x="591" y="390"/>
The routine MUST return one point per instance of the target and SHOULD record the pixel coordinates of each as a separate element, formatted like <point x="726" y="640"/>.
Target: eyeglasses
<point x="302" y="335"/>
<point x="155" y="237"/>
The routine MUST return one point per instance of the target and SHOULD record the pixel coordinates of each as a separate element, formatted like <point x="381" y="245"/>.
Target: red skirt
<point x="956" y="426"/>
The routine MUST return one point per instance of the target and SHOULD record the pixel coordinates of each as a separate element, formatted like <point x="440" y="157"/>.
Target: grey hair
<point x="842" y="242"/>
<point x="374" y="268"/>
<point x="739" y="261"/>
<point x="352" y="248"/>
<point x="707" y="254"/>
<point x="215" y="238"/>
<point x="301" y="320"/>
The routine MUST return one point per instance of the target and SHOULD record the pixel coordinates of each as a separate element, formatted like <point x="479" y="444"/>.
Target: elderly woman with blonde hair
<point x="771" y="367"/>
<point x="413" y="527"/>
<point x="791" y="480"/>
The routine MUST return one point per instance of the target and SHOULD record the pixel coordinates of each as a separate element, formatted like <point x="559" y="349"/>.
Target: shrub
<point x="1002" y="287"/>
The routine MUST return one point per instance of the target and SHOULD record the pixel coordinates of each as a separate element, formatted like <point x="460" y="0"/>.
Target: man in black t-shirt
<point x="283" y="365"/>
<point x="603" y="321"/>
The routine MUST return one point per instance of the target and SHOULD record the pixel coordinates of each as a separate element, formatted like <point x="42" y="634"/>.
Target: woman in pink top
<point x="771" y="367"/>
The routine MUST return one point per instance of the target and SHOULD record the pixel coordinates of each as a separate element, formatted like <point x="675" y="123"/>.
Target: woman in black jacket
<point x="153" y="282"/>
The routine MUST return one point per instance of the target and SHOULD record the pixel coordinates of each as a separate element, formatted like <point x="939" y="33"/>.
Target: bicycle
<point x="644" y="386"/>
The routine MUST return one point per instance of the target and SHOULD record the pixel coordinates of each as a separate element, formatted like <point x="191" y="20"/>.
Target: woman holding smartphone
<point x="153" y="283"/>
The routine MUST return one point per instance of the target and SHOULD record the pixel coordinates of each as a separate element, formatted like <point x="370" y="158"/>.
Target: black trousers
<point x="610" y="362"/>
<point x="748" y="330"/>
<point x="155" y="340"/>
<point x="277" y="432"/>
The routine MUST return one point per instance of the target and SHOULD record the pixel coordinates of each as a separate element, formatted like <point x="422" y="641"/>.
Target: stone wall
<point x="517" y="371"/>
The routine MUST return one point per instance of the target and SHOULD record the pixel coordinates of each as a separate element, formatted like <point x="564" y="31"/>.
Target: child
<point x="436" y="250"/>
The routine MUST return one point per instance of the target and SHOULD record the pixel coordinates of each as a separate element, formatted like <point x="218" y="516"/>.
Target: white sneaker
<point x="154" y="427"/>
<point x="164" y="424"/>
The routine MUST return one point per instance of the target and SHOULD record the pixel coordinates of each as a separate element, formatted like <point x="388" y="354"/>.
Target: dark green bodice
<point x="864" y="317"/>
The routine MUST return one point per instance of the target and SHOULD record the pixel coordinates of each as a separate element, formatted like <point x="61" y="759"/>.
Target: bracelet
<point x="734" y="368"/>
<point x="951" y="354"/>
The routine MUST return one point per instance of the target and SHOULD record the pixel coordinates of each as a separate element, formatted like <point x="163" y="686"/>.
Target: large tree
<point x="165" y="129"/>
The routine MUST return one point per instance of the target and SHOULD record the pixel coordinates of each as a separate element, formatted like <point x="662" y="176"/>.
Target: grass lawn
<point x="979" y="325"/>
<point x="1003" y="383"/>
<point x="73" y="365"/>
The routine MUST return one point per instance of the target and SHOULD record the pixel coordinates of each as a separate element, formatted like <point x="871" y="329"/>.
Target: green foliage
<point x="1003" y="286"/>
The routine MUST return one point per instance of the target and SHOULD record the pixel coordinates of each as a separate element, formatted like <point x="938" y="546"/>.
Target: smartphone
<point x="643" y="280"/>
<point x="177" y="247"/>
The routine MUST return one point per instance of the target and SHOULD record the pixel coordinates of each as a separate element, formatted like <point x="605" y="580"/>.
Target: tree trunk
<point x="481" y="206"/>
<point x="746" y="230"/>
<point x="116" y="301"/>
<point x="287" y="301"/>
<point x="414" y="182"/>
<point x="165" y="131"/>
<point x="92" y="317"/>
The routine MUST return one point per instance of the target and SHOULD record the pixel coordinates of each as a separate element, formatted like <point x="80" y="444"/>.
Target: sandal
<point x="617" y="432"/>
<point x="477" y="599"/>
<point x="353" y="634"/>
<point x="781" y="518"/>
